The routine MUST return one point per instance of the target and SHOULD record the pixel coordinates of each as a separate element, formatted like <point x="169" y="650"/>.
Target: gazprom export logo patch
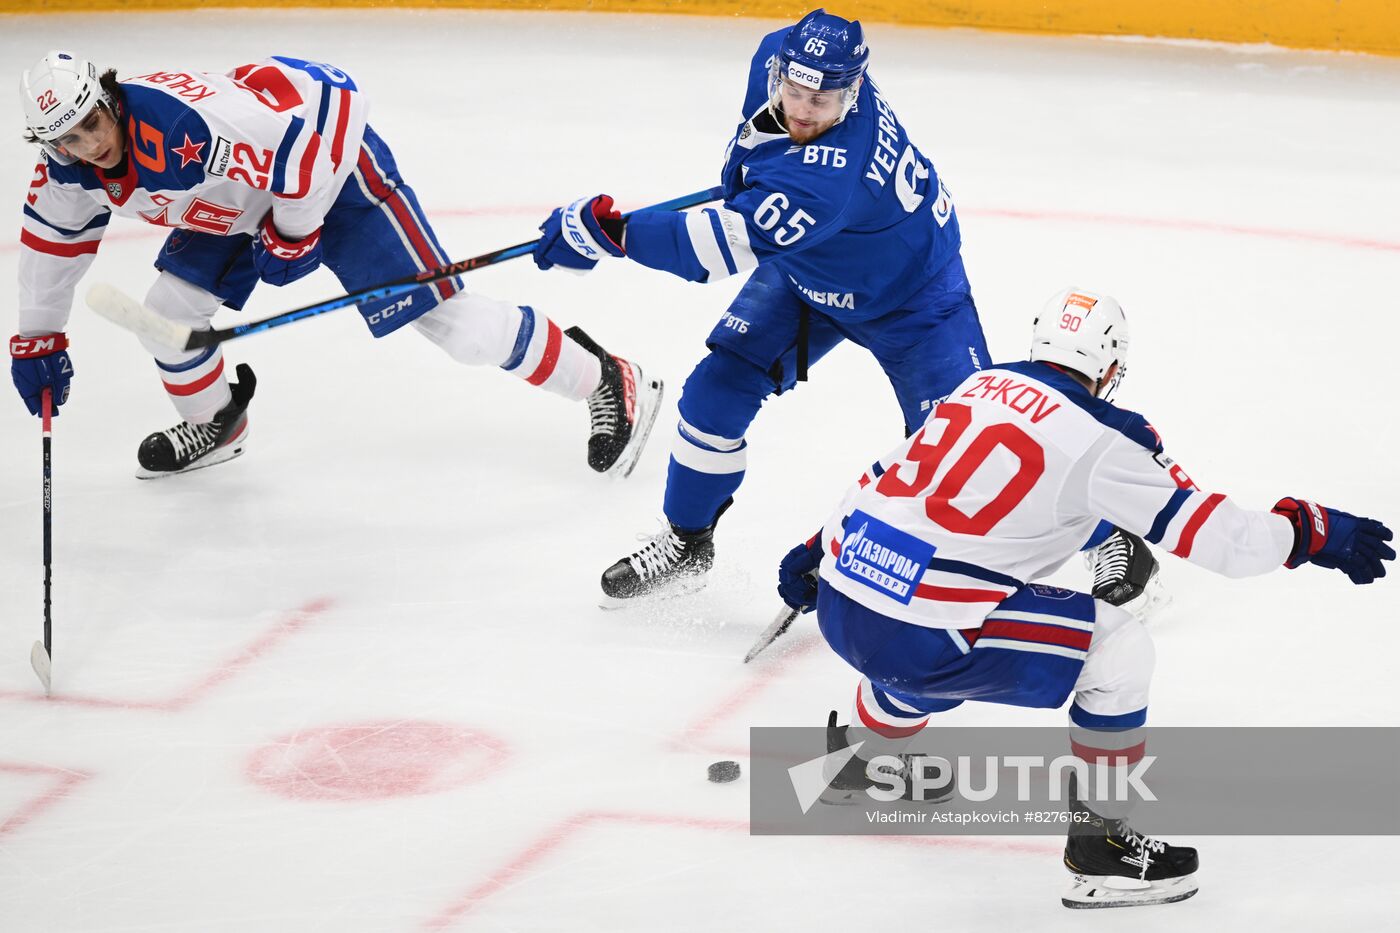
<point x="882" y="557"/>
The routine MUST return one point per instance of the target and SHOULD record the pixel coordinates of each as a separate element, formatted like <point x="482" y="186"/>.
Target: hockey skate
<point x="1114" y="866"/>
<point x="621" y="410"/>
<point x="187" y="446"/>
<point x="1126" y="575"/>
<point x="850" y="784"/>
<point x="671" y="563"/>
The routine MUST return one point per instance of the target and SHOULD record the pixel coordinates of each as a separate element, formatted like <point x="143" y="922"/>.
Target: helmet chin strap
<point x="1108" y="385"/>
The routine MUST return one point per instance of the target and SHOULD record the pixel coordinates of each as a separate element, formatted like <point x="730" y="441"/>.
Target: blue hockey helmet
<point x="823" y="52"/>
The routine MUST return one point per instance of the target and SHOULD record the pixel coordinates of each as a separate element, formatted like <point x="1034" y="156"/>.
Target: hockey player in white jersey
<point x="923" y="577"/>
<point x="262" y="174"/>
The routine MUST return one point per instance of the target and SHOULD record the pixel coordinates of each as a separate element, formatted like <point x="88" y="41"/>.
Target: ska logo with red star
<point x="191" y="151"/>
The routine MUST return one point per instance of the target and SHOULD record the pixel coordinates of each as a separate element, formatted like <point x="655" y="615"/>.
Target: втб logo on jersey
<point x="883" y="557"/>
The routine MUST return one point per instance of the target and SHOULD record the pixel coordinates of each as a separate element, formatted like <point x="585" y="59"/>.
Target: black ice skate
<point x="1115" y="867"/>
<point x="1125" y="574"/>
<point x="672" y="563"/>
<point x="621" y="410"/>
<point x="188" y="446"/>
<point x="848" y="786"/>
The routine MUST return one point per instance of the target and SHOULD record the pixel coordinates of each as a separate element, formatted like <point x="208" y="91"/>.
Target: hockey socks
<point x="195" y="382"/>
<point x="544" y="356"/>
<point x="704" y="473"/>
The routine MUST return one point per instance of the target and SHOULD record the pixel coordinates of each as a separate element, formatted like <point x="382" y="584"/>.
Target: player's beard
<point x="801" y="136"/>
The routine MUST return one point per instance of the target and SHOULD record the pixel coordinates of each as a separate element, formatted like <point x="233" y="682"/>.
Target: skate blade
<point x="213" y="458"/>
<point x="685" y="586"/>
<point x="1097" y="891"/>
<point x="649" y="395"/>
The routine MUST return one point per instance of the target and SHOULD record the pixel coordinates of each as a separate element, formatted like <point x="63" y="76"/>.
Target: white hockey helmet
<point x="58" y="93"/>
<point x="1086" y="332"/>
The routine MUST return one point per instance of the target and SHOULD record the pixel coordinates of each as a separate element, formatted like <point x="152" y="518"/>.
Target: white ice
<point x="409" y="551"/>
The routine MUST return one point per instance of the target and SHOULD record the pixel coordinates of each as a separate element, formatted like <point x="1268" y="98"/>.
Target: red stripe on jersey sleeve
<point x="67" y="250"/>
<point x="342" y="121"/>
<point x="305" y="170"/>
<point x="1188" y="534"/>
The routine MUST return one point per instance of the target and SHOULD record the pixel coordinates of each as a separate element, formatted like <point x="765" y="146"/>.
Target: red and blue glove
<point x="1336" y="540"/>
<point x="39" y="363"/>
<point x="279" y="260"/>
<point x="577" y="236"/>
<point x="797" y="574"/>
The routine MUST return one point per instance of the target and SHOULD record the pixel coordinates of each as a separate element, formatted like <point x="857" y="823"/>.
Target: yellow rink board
<point x="1344" y="25"/>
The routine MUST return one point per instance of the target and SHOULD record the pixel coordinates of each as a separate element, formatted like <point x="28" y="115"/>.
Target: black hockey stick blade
<point x="780" y="624"/>
<point x="130" y="314"/>
<point x="43" y="666"/>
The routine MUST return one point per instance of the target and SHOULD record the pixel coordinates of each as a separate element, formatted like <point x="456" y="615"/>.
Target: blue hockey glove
<point x="279" y="260"/>
<point x="577" y="236"/>
<point x="1336" y="540"/>
<point x="39" y="363"/>
<point x="797" y="574"/>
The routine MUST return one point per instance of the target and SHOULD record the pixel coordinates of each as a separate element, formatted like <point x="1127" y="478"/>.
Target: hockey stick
<point x="41" y="655"/>
<point x="780" y="624"/>
<point x="126" y="312"/>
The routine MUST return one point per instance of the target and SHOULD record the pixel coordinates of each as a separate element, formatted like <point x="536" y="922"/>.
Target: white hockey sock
<point x="194" y="379"/>
<point x="885" y="724"/>
<point x="543" y="356"/>
<point x="480" y="331"/>
<point x="195" y="382"/>
<point x="1110" y="758"/>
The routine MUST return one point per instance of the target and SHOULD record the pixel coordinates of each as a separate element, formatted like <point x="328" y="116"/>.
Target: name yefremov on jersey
<point x="1004" y="482"/>
<point x="856" y="221"/>
<point x="207" y="152"/>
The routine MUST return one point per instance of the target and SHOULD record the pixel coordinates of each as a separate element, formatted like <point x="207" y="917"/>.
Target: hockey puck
<point x="722" y="772"/>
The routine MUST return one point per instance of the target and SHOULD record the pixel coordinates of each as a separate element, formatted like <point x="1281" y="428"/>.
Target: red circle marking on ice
<point x="375" y="760"/>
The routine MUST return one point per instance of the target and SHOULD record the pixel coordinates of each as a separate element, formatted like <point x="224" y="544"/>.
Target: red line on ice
<point x="65" y="780"/>
<point x="767" y="673"/>
<point x="289" y="625"/>
<point x="517" y="869"/>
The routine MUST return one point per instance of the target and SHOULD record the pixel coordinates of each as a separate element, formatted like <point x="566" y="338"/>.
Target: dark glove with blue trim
<point x="39" y="363"/>
<point x="1336" y="540"/>
<point x="797" y="574"/>
<point x="279" y="260"/>
<point x="577" y="236"/>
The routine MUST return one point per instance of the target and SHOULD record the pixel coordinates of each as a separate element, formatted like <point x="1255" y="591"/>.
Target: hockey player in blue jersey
<point x="264" y="174"/>
<point x="851" y="235"/>
<point x="923" y="577"/>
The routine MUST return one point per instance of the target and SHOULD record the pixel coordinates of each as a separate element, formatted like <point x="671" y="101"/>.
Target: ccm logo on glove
<point x="23" y="347"/>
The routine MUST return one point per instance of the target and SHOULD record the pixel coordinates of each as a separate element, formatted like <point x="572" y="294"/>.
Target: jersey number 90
<point x="928" y="458"/>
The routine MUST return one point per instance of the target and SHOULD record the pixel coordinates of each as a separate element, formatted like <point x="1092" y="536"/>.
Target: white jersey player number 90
<point x="770" y="214"/>
<point x="928" y="460"/>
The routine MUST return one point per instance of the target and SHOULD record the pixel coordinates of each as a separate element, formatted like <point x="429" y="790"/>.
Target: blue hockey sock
<point x="705" y="470"/>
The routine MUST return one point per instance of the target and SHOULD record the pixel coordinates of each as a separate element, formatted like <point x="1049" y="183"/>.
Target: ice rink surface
<point x="357" y="679"/>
